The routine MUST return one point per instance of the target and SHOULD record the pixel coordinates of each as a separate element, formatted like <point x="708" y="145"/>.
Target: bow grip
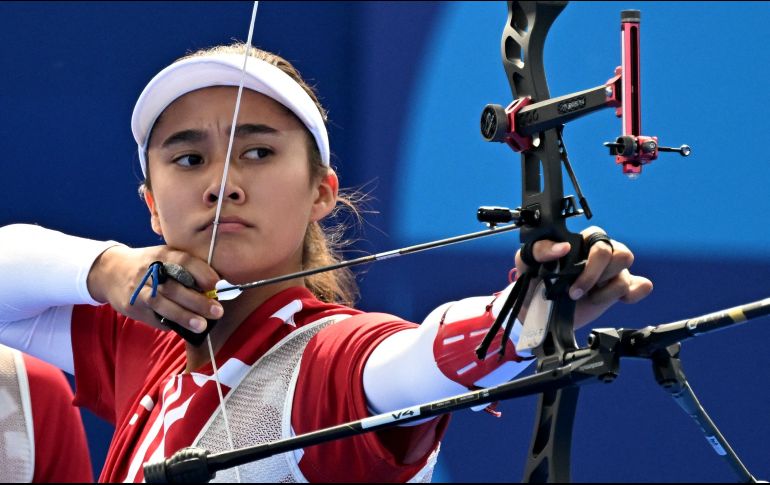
<point x="570" y="267"/>
<point x="561" y="274"/>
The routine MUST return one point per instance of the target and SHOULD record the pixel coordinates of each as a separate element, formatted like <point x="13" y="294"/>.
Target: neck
<point x="236" y="311"/>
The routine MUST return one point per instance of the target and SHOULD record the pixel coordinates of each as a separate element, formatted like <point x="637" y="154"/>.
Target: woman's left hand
<point x="605" y="280"/>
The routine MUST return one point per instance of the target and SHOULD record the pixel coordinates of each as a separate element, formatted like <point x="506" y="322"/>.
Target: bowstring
<point x="216" y="223"/>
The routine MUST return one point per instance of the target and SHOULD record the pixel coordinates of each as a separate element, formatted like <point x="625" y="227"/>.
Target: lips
<point x="227" y="224"/>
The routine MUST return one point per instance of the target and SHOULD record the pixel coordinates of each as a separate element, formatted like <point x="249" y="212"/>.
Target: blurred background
<point x="405" y="84"/>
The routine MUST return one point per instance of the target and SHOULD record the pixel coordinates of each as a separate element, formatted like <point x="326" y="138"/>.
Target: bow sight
<point x="520" y="124"/>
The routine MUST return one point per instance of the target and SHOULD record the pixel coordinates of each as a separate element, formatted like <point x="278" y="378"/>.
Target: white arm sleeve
<point x="45" y="336"/>
<point x="45" y="273"/>
<point x="402" y="371"/>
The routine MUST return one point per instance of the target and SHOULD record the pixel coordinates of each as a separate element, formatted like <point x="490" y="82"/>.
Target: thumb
<point x="543" y="251"/>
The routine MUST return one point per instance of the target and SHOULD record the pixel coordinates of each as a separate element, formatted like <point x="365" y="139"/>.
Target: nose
<point x="233" y="193"/>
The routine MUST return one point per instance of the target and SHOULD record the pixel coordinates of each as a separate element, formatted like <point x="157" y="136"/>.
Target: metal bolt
<point x="591" y="340"/>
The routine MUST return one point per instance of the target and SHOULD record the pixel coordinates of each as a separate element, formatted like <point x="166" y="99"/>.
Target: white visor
<point x="194" y="73"/>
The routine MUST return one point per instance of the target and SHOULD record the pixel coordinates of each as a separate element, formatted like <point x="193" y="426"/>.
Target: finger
<point x="639" y="289"/>
<point x="625" y="287"/>
<point x="176" y="313"/>
<point x="143" y="307"/>
<point x="622" y="258"/>
<point x="192" y="300"/>
<point x="614" y="290"/>
<point x="599" y="270"/>
<point x="204" y="275"/>
<point x="543" y="252"/>
<point x="599" y="258"/>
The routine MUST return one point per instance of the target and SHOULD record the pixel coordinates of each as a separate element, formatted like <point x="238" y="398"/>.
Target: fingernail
<point x="558" y="248"/>
<point x="575" y="293"/>
<point x="197" y="324"/>
<point x="217" y="311"/>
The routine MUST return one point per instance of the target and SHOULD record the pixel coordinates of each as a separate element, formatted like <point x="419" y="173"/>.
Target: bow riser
<point x="542" y="190"/>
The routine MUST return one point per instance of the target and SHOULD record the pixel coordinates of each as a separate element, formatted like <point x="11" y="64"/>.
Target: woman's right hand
<point x="118" y="270"/>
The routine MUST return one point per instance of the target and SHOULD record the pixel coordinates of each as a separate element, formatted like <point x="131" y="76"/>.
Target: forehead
<point x="216" y="105"/>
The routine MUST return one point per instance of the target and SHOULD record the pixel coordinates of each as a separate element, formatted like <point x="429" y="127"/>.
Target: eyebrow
<point x="195" y="136"/>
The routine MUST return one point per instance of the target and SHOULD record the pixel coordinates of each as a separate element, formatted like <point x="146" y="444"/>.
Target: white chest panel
<point x="259" y="411"/>
<point x="17" y="445"/>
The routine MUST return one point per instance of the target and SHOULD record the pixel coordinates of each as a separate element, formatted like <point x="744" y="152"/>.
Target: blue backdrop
<point x="405" y="84"/>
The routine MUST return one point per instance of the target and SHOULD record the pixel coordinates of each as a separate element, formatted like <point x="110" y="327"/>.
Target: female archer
<point x="288" y="358"/>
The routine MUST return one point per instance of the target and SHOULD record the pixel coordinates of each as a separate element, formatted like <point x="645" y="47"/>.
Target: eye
<point x="258" y="153"/>
<point x="189" y="160"/>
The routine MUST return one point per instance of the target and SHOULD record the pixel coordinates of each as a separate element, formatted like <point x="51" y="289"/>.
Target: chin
<point x="236" y="273"/>
<point x="239" y="278"/>
<point x="240" y="270"/>
<point x="238" y="264"/>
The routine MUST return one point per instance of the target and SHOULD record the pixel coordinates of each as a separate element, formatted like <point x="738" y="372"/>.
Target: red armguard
<point x="454" y="349"/>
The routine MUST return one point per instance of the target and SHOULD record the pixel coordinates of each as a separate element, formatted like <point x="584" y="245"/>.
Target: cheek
<point x="173" y="203"/>
<point x="287" y="210"/>
<point x="286" y="189"/>
<point x="289" y="214"/>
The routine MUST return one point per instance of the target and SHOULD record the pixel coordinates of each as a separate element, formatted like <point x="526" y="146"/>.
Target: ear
<point x="328" y="189"/>
<point x="154" y="217"/>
